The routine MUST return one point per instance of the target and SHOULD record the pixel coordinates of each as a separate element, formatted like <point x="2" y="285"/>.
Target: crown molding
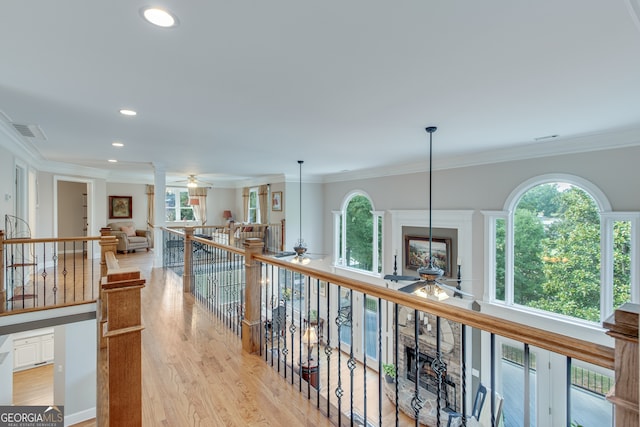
<point x="562" y="146"/>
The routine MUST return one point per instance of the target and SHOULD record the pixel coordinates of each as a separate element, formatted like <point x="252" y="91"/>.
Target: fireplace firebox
<point x="428" y="378"/>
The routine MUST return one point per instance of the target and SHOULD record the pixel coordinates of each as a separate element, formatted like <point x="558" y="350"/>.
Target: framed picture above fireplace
<point x="416" y="252"/>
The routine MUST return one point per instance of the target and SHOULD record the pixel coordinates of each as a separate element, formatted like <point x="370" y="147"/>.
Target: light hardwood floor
<point x="194" y="370"/>
<point x="196" y="374"/>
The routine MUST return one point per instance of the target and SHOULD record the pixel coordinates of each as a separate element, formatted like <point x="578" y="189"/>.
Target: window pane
<point x="186" y="214"/>
<point x="589" y="407"/>
<point x="344" y="312"/>
<point x="371" y="328"/>
<point x="557" y="251"/>
<point x="621" y="263"/>
<point x="359" y="228"/>
<point x="500" y="259"/>
<point x="512" y="378"/>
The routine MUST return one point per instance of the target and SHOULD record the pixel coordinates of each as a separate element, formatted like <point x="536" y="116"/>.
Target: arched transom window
<point x="358" y="234"/>
<point x="558" y="248"/>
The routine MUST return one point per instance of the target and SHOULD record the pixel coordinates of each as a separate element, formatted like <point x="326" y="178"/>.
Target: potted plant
<point x="389" y="370"/>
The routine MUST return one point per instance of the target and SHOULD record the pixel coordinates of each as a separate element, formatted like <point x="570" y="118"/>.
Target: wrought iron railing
<point x="42" y="273"/>
<point x="329" y="336"/>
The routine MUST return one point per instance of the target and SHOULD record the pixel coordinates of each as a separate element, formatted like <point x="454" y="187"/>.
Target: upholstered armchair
<point x="130" y="239"/>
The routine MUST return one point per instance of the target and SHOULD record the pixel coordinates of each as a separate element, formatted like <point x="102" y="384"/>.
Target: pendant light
<point x="430" y="273"/>
<point x="300" y="248"/>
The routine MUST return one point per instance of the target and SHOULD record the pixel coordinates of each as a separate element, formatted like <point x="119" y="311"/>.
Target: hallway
<point x="194" y="370"/>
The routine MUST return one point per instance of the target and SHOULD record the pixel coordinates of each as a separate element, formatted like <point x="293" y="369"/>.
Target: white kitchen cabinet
<point x="32" y="351"/>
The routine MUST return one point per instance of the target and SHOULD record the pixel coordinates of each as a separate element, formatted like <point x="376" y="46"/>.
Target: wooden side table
<point x="309" y="370"/>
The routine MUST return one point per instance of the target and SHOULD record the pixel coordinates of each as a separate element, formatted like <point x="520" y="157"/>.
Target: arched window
<point x="558" y="248"/>
<point x="358" y="234"/>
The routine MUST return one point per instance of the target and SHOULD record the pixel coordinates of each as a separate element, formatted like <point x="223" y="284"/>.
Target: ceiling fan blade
<point x="413" y="287"/>
<point x="396" y="277"/>
<point x="453" y="289"/>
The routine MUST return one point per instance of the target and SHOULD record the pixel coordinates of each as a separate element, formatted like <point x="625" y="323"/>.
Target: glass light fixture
<point x="191" y="183"/>
<point x="301" y="247"/>
<point x="128" y="112"/>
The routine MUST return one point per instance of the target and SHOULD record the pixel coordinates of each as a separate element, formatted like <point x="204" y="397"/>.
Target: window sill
<point x="554" y="323"/>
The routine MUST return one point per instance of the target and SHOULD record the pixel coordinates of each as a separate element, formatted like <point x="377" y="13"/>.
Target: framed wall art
<point x="276" y="201"/>
<point x="120" y="207"/>
<point x="416" y="252"/>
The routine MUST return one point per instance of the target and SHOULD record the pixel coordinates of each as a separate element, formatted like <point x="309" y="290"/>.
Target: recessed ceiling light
<point x="160" y="17"/>
<point x="127" y="112"/>
<point x="113" y="161"/>
<point x="117" y="144"/>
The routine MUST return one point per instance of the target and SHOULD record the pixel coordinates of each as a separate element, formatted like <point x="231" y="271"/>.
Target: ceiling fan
<point x="430" y="281"/>
<point x="193" y="182"/>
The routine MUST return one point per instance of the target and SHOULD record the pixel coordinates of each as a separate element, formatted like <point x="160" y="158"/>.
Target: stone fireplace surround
<point x="450" y="353"/>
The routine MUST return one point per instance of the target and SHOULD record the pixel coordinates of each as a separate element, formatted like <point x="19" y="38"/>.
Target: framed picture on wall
<point x="120" y="207"/>
<point x="416" y="252"/>
<point x="276" y="201"/>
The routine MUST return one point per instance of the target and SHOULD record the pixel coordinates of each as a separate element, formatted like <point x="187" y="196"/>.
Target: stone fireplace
<point x="450" y="353"/>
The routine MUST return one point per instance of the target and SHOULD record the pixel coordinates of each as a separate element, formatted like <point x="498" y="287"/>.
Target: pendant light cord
<point x="431" y="130"/>
<point x="300" y="162"/>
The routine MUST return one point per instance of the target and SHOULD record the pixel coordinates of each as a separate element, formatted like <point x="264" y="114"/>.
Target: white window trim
<point x="177" y="207"/>
<point x="341" y="235"/>
<point x="607" y="220"/>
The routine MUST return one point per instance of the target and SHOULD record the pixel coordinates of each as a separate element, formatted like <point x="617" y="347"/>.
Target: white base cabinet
<point x="32" y="351"/>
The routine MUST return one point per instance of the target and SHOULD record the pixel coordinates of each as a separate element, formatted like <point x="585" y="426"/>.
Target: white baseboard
<point x="78" y="417"/>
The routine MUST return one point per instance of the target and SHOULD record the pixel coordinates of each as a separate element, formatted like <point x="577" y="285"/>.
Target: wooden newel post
<point x="252" y="322"/>
<point x="623" y="326"/>
<point x="3" y="292"/>
<point x="108" y="243"/>
<point x="123" y="331"/>
<point x="188" y="250"/>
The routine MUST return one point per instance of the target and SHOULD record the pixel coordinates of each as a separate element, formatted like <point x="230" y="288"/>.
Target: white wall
<point x="6" y="183"/>
<point x="75" y="373"/>
<point x="219" y="200"/>
<point x="138" y="202"/>
<point x="314" y="214"/>
<point x="6" y="369"/>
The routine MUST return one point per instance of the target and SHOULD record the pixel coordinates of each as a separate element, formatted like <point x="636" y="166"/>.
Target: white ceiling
<point x="243" y="89"/>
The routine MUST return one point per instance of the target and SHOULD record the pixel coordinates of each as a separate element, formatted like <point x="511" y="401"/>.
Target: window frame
<point x="340" y="236"/>
<point x="608" y="218"/>
<point x="178" y="207"/>
<point x="253" y="191"/>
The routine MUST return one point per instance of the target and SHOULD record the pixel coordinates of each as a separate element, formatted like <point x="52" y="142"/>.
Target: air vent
<point x="30" y="131"/>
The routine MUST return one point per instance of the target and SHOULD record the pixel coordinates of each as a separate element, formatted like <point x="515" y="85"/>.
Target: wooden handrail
<point x="586" y="351"/>
<point x="575" y="348"/>
<point x="51" y="239"/>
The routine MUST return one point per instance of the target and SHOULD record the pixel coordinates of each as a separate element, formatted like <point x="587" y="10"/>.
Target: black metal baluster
<point x="351" y="363"/>
<point x="568" y="387"/>
<point x="327" y="348"/>
<point x="463" y="371"/>
<point x="364" y="352"/>
<point x="527" y="379"/>
<point x="416" y="402"/>
<point x="44" y="276"/>
<point x="319" y="343"/>
<point x="439" y="368"/>
<point x="396" y="344"/>
<point x="380" y="384"/>
<point x="493" y="380"/>
<point x="339" y="321"/>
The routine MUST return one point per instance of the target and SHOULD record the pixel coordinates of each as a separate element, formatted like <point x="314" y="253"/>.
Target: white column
<point x="159" y="182"/>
